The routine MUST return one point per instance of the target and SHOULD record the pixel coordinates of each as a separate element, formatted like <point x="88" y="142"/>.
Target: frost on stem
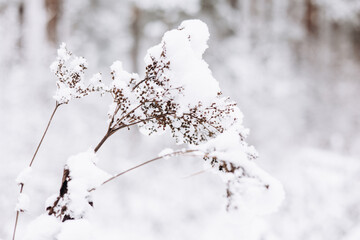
<point x="70" y="72"/>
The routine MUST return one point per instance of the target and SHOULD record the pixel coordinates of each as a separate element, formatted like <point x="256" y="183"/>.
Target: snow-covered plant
<point x="178" y="94"/>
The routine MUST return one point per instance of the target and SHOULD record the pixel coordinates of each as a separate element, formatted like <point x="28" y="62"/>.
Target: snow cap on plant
<point x="178" y="91"/>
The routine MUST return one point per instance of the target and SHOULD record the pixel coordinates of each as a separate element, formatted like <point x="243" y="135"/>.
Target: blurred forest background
<point x="292" y="66"/>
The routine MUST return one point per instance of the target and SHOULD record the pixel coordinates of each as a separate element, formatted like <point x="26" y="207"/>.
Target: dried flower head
<point x="70" y="72"/>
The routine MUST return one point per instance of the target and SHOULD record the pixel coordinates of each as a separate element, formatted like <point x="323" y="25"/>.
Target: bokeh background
<point x="293" y="66"/>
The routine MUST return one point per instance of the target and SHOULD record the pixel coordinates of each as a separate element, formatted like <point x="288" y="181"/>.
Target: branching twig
<point x="111" y="130"/>
<point x="107" y="135"/>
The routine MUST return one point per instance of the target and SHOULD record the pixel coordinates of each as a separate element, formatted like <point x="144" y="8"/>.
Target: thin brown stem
<point x="113" y="117"/>
<point x="147" y="162"/>
<point x="107" y="135"/>
<point x="17" y="216"/>
<point x="195" y="173"/>
<point x="111" y="131"/>
<point x="43" y="136"/>
<point x="31" y="163"/>
<point x="127" y="114"/>
<point x="16" y="221"/>
<point x="139" y="83"/>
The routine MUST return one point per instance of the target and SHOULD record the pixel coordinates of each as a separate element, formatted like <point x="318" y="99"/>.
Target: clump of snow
<point x="23" y="203"/>
<point x="47" y="227"/>
<point x="83" y="176"/>
<point x="83" y="168"/>
<point x="183" y="48"/>
<point x="257" y="193"/>
<point x="44" y="227"/>
<point x="23" y="176"/>
<point x="250" y="189"/>
<point x="75" y="230"/>
<point x="119" y="73"/>
<point x="198" y="35"/>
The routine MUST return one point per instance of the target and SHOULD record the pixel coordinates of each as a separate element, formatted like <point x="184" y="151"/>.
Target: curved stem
<point x="147" y="162"/>
<point x="43" y="136"/>
<point x="32" y="161"/>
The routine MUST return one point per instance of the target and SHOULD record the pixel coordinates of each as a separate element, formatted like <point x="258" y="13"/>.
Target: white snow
<point x="76" y="230"/>
<point x="23" y="203"/>
<point x="250" y="196"/>
<point x="183" y="49"/>
<point x="253" y="191"/>
<point x="44" y="227"/>
<point x="47" y="227"/>
<point x="24" y="175"/>
<point x="198" y="35"/>
<point x="85" y="175"/>
<point x="62" y="52"/>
